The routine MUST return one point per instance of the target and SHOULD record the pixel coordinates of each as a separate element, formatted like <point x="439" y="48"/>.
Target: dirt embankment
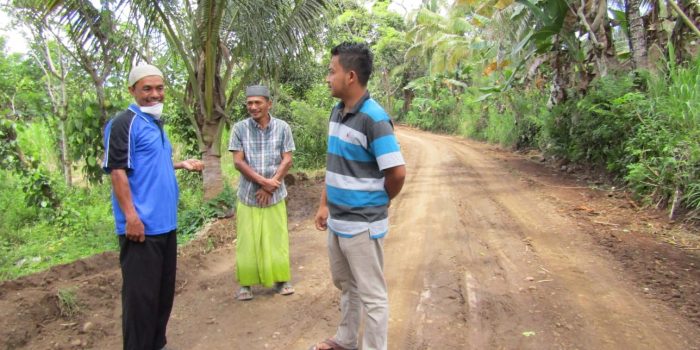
<point x="487" y="250"/>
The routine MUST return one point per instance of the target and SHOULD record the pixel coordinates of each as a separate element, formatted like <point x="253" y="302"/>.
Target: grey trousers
<point x="357" y="267"/>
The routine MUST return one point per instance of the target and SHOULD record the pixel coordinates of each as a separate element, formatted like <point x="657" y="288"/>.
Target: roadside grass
<point x="68" y="303"/>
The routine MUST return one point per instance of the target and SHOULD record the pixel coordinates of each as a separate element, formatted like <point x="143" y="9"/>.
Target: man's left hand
<point x="263" y="197"/>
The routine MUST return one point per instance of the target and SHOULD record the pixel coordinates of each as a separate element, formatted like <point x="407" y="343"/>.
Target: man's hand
<point x="321" y="219"/>
<point x="270" y="185"/>
<point x="135" y="229"/>
<point x="134" y="225"/>
<point x="190" y="165"/>
<point x="263" y="197"/>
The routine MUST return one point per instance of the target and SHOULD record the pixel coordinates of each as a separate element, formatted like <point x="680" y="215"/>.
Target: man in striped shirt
<point x="262" y="151"/>
<point x="364" y="171"/>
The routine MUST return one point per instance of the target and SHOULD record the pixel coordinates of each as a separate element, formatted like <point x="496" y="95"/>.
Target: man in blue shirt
<point x="364" y="171"/>
<point x="138" y="157"/>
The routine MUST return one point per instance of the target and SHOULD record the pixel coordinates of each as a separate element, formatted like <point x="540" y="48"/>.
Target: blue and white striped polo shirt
<point x="361" y="145"/>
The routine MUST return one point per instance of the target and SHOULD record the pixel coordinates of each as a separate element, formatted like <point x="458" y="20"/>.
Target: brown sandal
<point x="330" y="342"/>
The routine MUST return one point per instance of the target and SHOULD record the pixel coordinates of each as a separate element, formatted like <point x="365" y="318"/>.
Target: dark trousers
<point x="148" y="289"/>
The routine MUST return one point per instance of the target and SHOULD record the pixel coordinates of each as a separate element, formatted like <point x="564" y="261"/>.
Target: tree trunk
<point x="386" y="85"/>
<point x="101" y="101"/>
<point x="605" y="52"/>
<point x="213" y="182"/>
<point x="637" y="37"/>
<point x="63" y="116"/>
<point x="65" y="157"/>
<point x="407" y="100"/>
<point x="559" y="83"/>
<point x="592" y="14"/>
<point x="211" y="117"/>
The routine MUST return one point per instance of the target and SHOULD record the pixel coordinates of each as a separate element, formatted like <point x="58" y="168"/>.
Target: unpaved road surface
<point x="487" y="250"/>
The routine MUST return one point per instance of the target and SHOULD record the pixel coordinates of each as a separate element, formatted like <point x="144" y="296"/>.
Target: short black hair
<point x="356" y="57"/>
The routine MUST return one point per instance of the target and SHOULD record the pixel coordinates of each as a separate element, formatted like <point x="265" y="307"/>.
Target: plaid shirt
<point x="263" y="150"/>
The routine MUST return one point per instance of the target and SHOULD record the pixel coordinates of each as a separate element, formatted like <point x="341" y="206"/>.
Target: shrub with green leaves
<point x="310" y="129"/>
<point x="594" y="127"/>
<point x="193" y="215"/>
<point x="440" y="113"/>
<point x="82" y="226"/>
<point x="665" y="150"/>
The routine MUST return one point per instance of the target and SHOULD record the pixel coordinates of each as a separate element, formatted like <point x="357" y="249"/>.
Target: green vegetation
<point x="552" y="75"/>
<point x="68" y="303"/>
<point x="641" y="128"/>
<point x="555" y="75"/>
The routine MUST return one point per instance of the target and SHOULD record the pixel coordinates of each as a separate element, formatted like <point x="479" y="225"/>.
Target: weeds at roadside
<point x="68" y="303"/>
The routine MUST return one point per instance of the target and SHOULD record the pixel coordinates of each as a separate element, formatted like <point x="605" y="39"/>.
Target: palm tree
<point x="637" y="38"/>
<point x="217" y="40"/>
<point x="442" y="42"/>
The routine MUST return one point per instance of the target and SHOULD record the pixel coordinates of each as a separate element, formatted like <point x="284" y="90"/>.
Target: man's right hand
<point x="321" y="219"/>
<point x="270" y="185"/>
<point x="134" y="229"/>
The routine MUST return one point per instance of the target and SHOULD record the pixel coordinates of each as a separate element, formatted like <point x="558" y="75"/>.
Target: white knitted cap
<point x="140" y="72"/>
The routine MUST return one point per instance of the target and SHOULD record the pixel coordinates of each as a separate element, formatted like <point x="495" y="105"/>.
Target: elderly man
<point x="262" y="152"/>
<point x="138" y="157"/>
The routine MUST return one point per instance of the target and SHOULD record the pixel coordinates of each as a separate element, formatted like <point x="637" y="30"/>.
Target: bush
<point x="310" y="129"/>
<point x="473" y="117"/>
<point x="511" y="119"/>
<point x="593" y="128"/>
<point x="529" y="108"/>
<point x="439" y="114"/>
<point x="501" y="127"/>
<point x="193" y="214"/>
<point x="15" y="213"/>
<point x="664" y="150"/>
<point x="81" y="227"/>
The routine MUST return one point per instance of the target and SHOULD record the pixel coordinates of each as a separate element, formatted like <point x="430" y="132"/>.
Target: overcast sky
<point x="15" y="39"/>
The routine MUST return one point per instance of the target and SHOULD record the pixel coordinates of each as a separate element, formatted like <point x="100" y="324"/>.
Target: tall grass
<point x="501" y="128"/>
<point x="666" y="166"/>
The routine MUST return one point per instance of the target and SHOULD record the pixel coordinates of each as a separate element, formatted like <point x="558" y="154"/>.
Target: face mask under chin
<point x="155" y="110"/>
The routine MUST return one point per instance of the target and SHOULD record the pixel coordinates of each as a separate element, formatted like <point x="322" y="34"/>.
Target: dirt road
<point x="487" y="250"/>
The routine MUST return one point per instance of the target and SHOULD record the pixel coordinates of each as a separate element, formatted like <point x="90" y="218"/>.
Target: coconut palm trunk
<point x="637" y="37"/>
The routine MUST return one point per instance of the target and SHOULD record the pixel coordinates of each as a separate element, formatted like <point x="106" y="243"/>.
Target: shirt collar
<point x="357" y="106"/>
<point x="135" y="108"/>
<point x="256" y="125"/>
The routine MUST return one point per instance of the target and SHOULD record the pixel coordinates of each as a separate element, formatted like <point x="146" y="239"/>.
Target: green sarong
<point x="262" y="245"/>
